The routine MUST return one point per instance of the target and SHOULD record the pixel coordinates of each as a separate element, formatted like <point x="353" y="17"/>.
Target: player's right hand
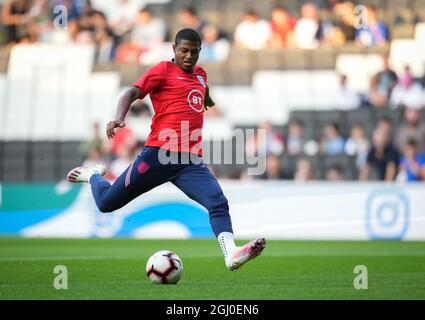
<point x="110" y="127"/>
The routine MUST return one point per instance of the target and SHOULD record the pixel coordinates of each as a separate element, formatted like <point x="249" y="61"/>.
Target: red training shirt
<point x="178" y="101"/>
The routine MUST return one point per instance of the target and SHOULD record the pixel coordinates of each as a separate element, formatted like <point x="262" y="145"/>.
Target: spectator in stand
<point x="304" y="171"/>
<point x="39" y="22"/>
<point x="121" y="136"/>
<point x="148" y="31"/>
<point x="96" y="149"/>
<point x="122" y="17"/>
<point x="407" y="93"/>
<point x="412" y="165"/>
<point x="375" y="33"/>
<point x="334" y="173"/>
<point x="382" y="85"/>
<point x="265" y="141"/>
<point x="385" y="124"/>
<point x="357" y="144"/>
<point x="282" y="26"/>
<point x="308" y="30"/>
<point x="95" y="143"/>
<point x="412" y="129"/>
<point x="102" y="37"/>
<point x="93" y="156"/>
<point x="274" y="139"/>
<point x="15" y="17"/>
<point x="332" y="142"/>
<point x="147" y="35"/>
<point x="345" y="19"/>
<point x="189" y="18"/>
<point x="252" y="33"/>
<point x="347" y="98"/>
<point x="296" y="140"/>
<point x="81" y="28"/>
<point x="382" y="159"/>
<point x="273" y="169"/>
<point x="214" y="49"/>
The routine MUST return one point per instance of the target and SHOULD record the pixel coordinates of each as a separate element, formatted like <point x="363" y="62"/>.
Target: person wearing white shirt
<point x="307" y="28"/>
<point x="253" y="33"/>
<point x="407" y="92"/>
<point x="346" y="99"/>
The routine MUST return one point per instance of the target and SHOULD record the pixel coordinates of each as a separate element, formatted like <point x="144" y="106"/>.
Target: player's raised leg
<point x="198" y="183"/>
<point x="144" y="174"/>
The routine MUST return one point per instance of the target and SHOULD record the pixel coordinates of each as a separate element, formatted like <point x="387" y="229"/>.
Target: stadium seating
<point x="42" y="123"/>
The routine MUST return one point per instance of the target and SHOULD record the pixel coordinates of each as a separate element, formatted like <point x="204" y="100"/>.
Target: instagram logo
<point x="387" y="214"/>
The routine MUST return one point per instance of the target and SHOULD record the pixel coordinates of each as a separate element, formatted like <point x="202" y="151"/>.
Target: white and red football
<point x="164" y="267"/>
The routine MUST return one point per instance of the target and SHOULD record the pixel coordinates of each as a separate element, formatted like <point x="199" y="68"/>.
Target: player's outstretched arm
<point x="208" y="102"/>
<point x="124" y="104"/>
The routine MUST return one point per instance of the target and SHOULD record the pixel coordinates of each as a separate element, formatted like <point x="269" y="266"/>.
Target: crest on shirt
<point x="201" y="80"/>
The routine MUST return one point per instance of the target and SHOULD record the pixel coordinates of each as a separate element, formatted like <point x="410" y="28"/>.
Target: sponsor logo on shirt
<point x="196" y="100"/>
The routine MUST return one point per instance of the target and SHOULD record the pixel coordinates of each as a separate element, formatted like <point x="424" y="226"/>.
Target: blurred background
<point x="337" y="85"/>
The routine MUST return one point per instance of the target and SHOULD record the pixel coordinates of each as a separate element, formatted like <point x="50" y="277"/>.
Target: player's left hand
<point x="208" y="102"/>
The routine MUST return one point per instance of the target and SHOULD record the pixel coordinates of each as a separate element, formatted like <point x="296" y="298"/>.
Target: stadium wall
<point x="277" y="210"/>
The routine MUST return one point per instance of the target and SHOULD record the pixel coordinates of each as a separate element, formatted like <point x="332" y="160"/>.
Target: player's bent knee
<point x="106" y="207"/>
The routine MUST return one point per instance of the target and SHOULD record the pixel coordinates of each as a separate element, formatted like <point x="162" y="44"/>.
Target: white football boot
<point x="243" y="254"/>
<point x="83" y="174"/>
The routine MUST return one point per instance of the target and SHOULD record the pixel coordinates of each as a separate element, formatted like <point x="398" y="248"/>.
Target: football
<point x="164" y="267"/>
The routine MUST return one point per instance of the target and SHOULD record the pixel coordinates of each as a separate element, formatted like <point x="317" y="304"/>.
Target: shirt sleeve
<point x="152" y="79"/>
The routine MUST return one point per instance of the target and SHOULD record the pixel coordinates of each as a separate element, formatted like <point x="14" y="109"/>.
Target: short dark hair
<point x="336" y="167"/>
<point x="297" y="122"/>
<point x="386" y="119"/>
<point x="251" y="12"/>
<point x="280" y="7"/>
<point x="189" y="9"/>
<point x="412" y="142"/>
<point x="145" y="9"/>
<point x="333" y="125"/>
<point x="187" y="34"/>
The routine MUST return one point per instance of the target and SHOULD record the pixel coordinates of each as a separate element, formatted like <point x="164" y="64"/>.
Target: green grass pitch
<point x="115" y="269"/>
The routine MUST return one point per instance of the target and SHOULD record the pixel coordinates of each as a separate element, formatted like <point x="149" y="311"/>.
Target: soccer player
<point x="179" y="95"/>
